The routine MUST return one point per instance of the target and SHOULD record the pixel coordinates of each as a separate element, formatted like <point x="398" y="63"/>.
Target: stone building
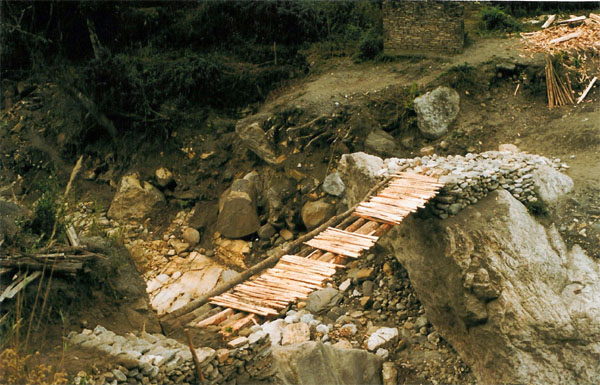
<point x="423" y="26"/>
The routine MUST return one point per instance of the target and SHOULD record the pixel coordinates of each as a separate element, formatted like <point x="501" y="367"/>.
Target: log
<point x="549" y="21"/>
<point x="72" y="236"/>
<point x="587" y="89"/>
<point x="566" y="37"/>
<point x="595" y="18"/>
<point x="18" y="285"/>
<point x="94" y="111"/>
<point x="170" y="318"/>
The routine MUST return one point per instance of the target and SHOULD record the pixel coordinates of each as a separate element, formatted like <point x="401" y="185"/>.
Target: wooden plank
<point x="571" y="20"/>
<point x="312" y="268"/>
<point x="566" y="37"/>
<point x="308" y="278"/>
<point x="231" y="320"/>
<point x="242" y="307"/>
<point x="215" y="319"/>
<point x="352" y="235"/>
<point x="334" y="249"/>
<point x="317" y="263"/>
<point x="350" y="244"/>
<point x="549" y="21"/>
<point x="594" y="17"/>
<point x="283" y="285"/>
<point x="261" y="289"/>
<point x="302" y="269"/>
<point x="587" y="89"/>
<point x="287" y="281"/>
<point x="237" y="325"/>
<point x="254" y="299"/>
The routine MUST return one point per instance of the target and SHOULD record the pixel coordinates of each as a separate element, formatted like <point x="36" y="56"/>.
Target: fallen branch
<point x="195" y="357"/>
<point x="587" y="89"/>
<point x="572" y="20"/>
<point x="169" y="321"/>
<point x="91" y="107"/>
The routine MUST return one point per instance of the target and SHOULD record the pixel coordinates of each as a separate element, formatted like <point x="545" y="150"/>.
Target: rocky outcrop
<point x="436" y="110"/>
<point x="505" y="292"/>
<point x="237" y="210"/>
<point x="358" y="171"/>
<point x="256" y="140"/>
<point x="134" y="199"/>
<point x="316" y="363"/>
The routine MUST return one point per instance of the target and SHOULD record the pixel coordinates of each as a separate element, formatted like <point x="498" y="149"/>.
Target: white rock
<point x="381" y="337"/>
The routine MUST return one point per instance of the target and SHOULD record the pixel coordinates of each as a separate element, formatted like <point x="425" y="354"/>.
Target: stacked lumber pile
<point x="577" y="36"/>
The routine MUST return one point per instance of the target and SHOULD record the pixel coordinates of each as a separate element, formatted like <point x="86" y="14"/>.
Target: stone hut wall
<point x="423" y="26"/>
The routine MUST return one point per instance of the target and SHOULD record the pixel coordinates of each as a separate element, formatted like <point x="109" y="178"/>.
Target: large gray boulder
<point x="359" y="171"/>
<point x="333" y="184"/>
<point x="316" y="363"/>
<point x="436" y="110"/>
<point x="134" y="199"/>
<point x="237" y="210"/>
<point x="551" y="185"/>
<point x="505" y="292"/>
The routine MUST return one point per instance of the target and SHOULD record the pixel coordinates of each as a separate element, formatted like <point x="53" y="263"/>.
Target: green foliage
<point x="370" y="45"/>
<point x="537" y="208"/>
<point x="46" y="219"/>
<point x="495" y="19"/>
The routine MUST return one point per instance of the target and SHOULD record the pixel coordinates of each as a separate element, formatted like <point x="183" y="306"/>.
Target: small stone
<point x="367" y="288"/>
<point x="191" y="236"/>
<point x="427" y="150"/>
<point x="389" y="373"/>
<point x="366" y="302"/>
<point x="121" y="377"/>
<point x="387" y="269"/>
<point x="364" y="274"/>
<point x="345" y="285"/>
<point x="164" y="177"/>
<point x="307" y="318"/>
<point x="348" y="330"/>
<point x="342" y="344"/>
<point x="240" y="341"/>
<point x="381" y="337"/>
<point x="383" y="353"/>
<point x="180" y="247"/>
<point x="333" y="184"/>
<point x="323" y="329"/>
<point x="286" y="234"/>
<point x="266" y="231"/>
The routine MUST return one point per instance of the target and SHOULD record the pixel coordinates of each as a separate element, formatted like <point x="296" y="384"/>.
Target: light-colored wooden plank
<point x="549" y="21"/>
<point x="566" y="37"/>
<point x="215" y="319"/>
<point x="571" y="20"/>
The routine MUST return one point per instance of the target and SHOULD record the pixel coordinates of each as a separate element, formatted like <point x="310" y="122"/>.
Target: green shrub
<point x="495" y="19"/>
<point x="370" y="45"/>
<point x="461" y="76"/>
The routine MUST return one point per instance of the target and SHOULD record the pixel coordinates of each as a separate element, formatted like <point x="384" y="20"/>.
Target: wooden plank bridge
<point x="294" y="277"/>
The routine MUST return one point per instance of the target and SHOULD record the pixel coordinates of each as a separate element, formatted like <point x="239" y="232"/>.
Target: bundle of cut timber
<point x="559" y="92"/>
<point x="405" y="194"/>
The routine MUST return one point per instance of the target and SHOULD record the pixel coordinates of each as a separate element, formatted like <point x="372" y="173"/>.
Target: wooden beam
<point x="549" y="21"/>
<point x="587" y="89"/>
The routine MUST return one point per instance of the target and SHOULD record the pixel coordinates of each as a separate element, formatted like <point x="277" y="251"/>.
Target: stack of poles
<point x="558" y="93"/>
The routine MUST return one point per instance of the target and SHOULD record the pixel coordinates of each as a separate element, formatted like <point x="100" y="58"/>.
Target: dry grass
<point x="16" y="369"/>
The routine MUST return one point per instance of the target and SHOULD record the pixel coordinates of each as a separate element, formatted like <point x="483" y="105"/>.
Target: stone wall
<point x="467" y="179"/>
<point x="423" y="26"/>
<point x="156" y="359"/>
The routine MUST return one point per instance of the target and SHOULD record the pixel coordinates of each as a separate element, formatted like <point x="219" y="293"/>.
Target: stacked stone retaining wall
<point x="156" y="359"/>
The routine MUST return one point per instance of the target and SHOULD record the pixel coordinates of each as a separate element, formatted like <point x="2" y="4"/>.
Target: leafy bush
<point x="370" y="45"/>
<point x="45" y="220"/>
<point x="495" y="19"/>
